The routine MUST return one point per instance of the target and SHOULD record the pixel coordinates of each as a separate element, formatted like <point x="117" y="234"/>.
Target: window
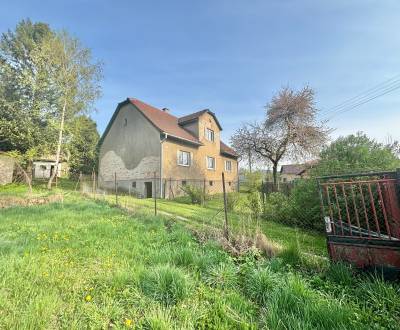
<point x="126" y="122"/>
<point x="230" y="183"/>
<point x="133" y="184"/>
<point x="43" y="167"/>
<point x="209" y="134"/>
<point x="183" y="182"/>
<point x="183" y="158"/>
<point x="211" y="183"/>
<point x="210" y="163"/>
<point x="228" y="166"/>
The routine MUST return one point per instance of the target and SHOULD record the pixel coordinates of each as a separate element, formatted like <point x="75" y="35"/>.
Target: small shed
<point x="44" y="168"/>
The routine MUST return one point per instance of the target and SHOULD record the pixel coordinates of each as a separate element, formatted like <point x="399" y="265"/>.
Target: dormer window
<point x="209" y="134"/>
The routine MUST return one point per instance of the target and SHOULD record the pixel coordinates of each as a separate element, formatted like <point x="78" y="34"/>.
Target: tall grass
<point x="84" y="264"/>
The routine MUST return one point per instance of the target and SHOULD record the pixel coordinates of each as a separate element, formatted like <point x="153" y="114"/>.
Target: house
<point x="292" y="172"/>
<point x="150" y="151"/>
<point x="43" y="168"/>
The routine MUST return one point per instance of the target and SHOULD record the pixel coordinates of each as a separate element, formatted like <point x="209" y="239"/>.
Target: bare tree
<point x="289" y="129"/>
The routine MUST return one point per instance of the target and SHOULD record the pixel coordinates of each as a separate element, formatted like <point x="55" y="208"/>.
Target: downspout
<point x="161" y="163"/>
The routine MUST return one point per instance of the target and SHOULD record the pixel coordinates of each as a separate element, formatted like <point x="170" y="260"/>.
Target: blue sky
<point x="232" y="56"/>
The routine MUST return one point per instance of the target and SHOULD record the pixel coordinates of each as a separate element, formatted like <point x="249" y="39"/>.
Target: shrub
<point x="165" y="284"/>
<point x="196" y="194"/>
<point x="277" y="208"/>
<point x="305" y="205"/>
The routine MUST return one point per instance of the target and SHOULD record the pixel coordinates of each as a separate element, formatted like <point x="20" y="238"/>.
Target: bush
<point x="196" y="194"/>
<point x="277" y="208"/>
<point x="165" y="284"/>
<point x="301" y="208"/>
<point x="305" y="205"/>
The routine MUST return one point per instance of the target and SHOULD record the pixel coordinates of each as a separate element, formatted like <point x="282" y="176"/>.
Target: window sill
<point x="183" y="165"/>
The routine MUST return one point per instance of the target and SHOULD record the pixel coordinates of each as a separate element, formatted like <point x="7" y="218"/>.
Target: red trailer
<point x="362" y="219"/>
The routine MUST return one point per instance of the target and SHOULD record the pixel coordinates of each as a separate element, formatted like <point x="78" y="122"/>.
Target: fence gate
<point x="362" y="218"/>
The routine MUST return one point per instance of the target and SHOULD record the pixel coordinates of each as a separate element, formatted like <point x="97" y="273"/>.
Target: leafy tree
<point x="355" y="153"/>
<point x="82" y="145"/>
<point x="24" y="100"/>
<point x="289" y="129"/>
<point x="71" y="76"/>
<point x="350" y="154"/>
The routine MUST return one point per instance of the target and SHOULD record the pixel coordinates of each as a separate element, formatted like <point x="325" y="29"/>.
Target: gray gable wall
<point x="131" y="149"/>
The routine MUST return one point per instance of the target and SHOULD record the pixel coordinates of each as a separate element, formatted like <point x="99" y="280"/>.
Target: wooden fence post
<point x="226" y="230"/>
<point x="204" y="191"/>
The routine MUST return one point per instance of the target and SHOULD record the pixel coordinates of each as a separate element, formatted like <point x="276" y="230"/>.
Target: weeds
<point x="165" y="284"/>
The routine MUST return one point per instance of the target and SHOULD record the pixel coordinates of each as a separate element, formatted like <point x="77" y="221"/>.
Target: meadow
<point x="88" y="264"/>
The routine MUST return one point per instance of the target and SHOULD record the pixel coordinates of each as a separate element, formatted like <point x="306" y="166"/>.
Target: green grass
<point x="212" y="214"/>
<point x="86" y="264"/>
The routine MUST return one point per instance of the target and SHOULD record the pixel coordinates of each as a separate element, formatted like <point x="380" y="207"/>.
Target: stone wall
<point x="7" y="165"/>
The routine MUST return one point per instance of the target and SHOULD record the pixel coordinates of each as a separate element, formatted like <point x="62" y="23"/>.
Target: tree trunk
<point x="275" y="175"/>
<point x="250" y="160"/>
<point x="60" y="136"/>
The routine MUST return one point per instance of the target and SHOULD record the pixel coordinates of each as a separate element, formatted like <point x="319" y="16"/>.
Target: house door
<point x="148" y="189"/>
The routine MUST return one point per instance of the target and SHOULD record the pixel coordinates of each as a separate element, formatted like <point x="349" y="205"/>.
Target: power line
<point x="364" y="97"/>
<point x="363" y="101"/>
<point x="378" y="87"/>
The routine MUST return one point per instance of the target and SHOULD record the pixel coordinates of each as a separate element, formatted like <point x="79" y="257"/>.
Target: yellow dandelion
<point x="88" y="298"/>
<point x="128" y="323"/>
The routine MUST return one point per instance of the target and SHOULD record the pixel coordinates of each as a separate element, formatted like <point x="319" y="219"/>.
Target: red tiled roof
<point x="163" y="121"/>
<point x="227" y="150"/>
<point x="168" y="123"/>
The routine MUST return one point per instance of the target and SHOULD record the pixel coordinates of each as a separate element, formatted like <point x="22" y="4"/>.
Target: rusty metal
<point x="370" y="235"/>
<point x="355" y="210"/>
<point x="347" y="209"/>
<point x="372" y="201"/>
<point x="338" y="209"/>
<point x="383" y="207"/>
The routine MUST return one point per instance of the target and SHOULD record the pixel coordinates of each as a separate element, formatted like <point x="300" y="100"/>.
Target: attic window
<point x="125" y="122"/>
<point x="209" y="134"/>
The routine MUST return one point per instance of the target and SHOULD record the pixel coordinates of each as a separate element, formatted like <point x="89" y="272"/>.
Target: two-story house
<point x="149" y="151"/>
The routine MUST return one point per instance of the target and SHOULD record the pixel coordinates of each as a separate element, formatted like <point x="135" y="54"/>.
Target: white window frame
<point x="226" y="163"/>
<point x="179" y="158"/>
<point x="215" y="163"/>
<point x="210" y="137"/>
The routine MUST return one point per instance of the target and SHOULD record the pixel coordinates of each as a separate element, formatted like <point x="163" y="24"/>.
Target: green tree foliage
<point x="350" y="154"/>
<point x="82" y="145"/>
<point x="71" y="77"/>
<point x="25" y="102"/>
<point x="355" y="153"/>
